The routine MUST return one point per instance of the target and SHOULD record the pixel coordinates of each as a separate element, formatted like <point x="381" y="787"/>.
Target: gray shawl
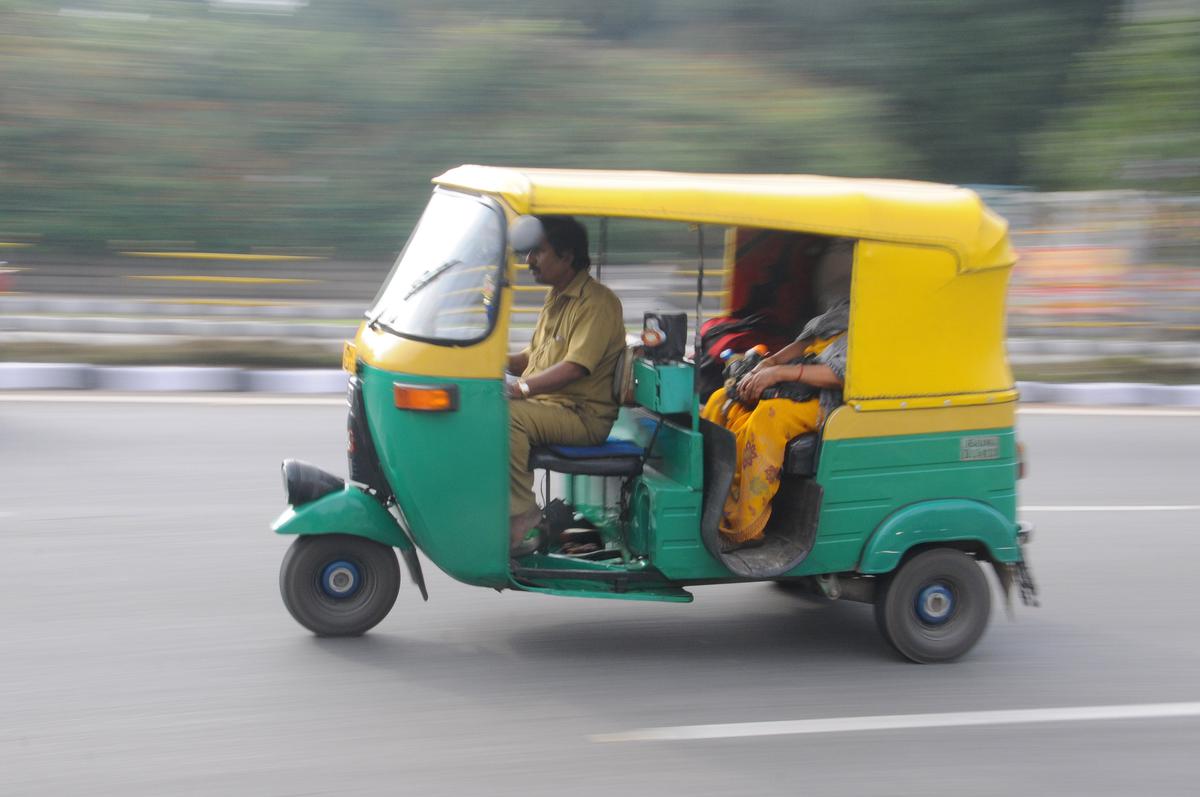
<point x="833" y="321"/>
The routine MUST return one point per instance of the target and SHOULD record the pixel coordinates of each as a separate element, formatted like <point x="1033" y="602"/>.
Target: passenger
<point x="763" y="428"/>
<point x="564" y="395"/>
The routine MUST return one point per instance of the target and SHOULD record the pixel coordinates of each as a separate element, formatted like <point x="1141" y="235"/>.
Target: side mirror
<point x="524" y="234"/>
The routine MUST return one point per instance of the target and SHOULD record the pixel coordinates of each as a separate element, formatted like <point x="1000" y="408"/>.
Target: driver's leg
<point x="531" y="423"/>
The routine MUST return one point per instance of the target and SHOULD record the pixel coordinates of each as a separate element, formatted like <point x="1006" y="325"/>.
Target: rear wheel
<point x="338" y="584"/>
<point x="935" y="607"/>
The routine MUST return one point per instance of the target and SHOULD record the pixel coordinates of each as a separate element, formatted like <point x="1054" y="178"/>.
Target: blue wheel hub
<point x="340" y="579"/>
<point x="935" y="604"/>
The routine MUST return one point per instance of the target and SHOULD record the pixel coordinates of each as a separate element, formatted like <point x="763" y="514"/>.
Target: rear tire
<point x="338" y="584"/>
<point x="935" y="607"/>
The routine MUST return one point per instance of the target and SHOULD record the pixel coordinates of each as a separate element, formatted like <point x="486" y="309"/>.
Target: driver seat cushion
<point x="613" y="457"/>
<point x="800" y="457"/>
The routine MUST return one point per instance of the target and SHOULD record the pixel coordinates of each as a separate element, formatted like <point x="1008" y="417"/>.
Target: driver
<point x="564" y="393"/>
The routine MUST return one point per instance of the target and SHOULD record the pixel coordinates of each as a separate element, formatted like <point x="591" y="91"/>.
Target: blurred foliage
<point x="181" y="120"/>
<point x="1135" y="118"/>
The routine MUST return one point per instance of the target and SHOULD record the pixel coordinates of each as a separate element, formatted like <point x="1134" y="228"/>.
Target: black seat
<point x="614" y="457"/>
<point x="800" y="457"/>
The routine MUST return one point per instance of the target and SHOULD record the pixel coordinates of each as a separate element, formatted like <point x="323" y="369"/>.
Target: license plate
<point x="350" y="358"/>
<point x="972" y="449"/>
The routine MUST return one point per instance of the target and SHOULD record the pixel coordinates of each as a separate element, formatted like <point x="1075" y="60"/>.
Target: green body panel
<point x="666" y="504"/>
<point x="951" y="519"/>
<point x="349" y="511"/>
<point x="679" y="456"/>
<point x="671" y="512"/>
<point x="449" y="471"/>
<point x="866" y="481"/>
<point x="678" y="448"/>
<point x="668" y="388"/>
<point x="450" y="474"/>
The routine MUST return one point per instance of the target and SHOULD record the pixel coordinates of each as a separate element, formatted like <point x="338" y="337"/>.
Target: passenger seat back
<point x="623" y="376"/>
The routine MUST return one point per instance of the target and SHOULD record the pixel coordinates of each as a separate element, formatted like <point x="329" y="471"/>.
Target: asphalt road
<point x="145" y="649"/>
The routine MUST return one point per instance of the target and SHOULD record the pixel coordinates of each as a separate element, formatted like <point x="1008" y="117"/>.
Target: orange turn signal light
<point x="425" y="398"/>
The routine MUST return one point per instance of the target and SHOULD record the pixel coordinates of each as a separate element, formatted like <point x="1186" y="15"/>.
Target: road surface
<point x="146" y="652"/>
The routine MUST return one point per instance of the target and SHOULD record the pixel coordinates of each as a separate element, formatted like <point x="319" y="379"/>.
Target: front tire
<point x="935" y="607"/>
<point x="338" y="584"/>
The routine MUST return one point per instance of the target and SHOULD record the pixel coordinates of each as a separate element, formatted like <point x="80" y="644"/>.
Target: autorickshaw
<point x="903" y="497"/>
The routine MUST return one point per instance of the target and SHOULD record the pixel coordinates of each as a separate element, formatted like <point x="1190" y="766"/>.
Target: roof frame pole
<point x="697" y="351"/>
<point x="602" y="250"/>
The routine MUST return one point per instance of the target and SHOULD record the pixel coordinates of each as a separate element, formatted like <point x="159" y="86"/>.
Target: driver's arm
<point x="552" y="380"/>
<point x="518" y="362"/>
<point x="589" y="339"/>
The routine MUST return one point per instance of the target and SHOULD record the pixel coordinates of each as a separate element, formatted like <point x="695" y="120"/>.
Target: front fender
<point x="348" y="511"/>
<point x="351" y="511"/>
<point x="945" y="520"/>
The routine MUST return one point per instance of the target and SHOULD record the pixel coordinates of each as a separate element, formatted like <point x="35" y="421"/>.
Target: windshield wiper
<point x="430" y="276"/>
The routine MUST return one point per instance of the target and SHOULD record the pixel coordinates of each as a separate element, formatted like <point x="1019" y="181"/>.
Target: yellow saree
<point x="762" y="433"/>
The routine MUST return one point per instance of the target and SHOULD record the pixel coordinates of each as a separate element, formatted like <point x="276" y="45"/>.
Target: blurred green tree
<point x="1134" y="118"/>
<point x="322" y="128"/>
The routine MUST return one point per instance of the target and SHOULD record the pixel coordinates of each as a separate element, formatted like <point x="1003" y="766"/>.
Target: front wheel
<point x="338" y="584"/>
<point x="935" y="607"/>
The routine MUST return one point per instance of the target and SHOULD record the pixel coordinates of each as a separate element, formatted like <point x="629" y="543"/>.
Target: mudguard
<point x="944" y="520"/>
<point x="351" y="511"/>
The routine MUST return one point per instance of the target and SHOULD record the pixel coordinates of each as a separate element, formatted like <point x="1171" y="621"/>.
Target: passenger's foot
<point x="524" y="536"/>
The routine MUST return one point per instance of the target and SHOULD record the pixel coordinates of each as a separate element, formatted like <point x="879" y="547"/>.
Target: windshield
<point x="443" y="286"/>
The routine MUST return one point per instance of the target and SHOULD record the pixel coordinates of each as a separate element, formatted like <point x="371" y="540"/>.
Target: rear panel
<point x="867" y="479"/>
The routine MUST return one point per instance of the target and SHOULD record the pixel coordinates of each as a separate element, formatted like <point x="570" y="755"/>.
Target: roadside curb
<point x="78" y="376"/>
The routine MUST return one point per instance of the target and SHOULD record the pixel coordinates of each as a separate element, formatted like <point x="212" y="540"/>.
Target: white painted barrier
<point x="45" y="376"/>
<point x="168" y="379"/>
<point x="295" y="381"/>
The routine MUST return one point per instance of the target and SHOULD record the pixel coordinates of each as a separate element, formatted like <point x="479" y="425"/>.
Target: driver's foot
<point x="523" y="534"/>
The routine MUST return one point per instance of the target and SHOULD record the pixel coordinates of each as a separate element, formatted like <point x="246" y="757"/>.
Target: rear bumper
<point x="1024" y="578"/>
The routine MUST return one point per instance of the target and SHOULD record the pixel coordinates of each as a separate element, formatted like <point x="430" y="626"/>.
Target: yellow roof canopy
<point x="898" y="211"/>
<point x="931" y="265"/>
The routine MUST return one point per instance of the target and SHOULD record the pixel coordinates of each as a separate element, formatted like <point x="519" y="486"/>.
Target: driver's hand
<point x="757" y="381"/>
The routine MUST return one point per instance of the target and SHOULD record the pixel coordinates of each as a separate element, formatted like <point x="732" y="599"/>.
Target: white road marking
<point x="894" y="722"/>
<point x="1130" y="508"/>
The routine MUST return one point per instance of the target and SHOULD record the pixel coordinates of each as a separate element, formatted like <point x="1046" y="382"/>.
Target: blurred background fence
<point x="223" y="169"/>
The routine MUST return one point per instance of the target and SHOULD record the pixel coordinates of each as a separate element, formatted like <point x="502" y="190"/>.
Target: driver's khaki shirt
<point x="582" y="324"/>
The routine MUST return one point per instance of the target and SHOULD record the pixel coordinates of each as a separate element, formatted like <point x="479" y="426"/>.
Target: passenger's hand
<point x="764" y="363"/>
<point x="757" y="381"/>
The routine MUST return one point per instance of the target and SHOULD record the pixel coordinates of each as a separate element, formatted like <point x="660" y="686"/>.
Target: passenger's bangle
<point x="523" y="386"/>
